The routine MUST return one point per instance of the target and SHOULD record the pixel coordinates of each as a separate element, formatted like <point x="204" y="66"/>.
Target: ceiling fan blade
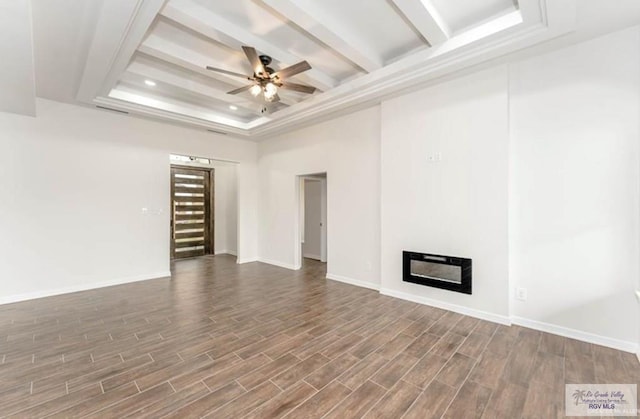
<point x="253" y="58"/>
<point x="240" y="89"/>
<point x="230" y="73"/>
<point x="292" y="70"/>
<point x="298" y="87"/>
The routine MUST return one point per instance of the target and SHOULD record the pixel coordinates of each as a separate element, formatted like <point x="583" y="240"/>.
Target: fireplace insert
<point x="439" y="271"/>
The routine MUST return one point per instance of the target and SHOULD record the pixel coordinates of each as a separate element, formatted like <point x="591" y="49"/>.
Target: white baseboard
<point x="479" y="314"/>
<point x="226" y="252"/>
<point x="249" y="260"/>
<point x="310" y="256"/>
<point x="84" y="287"/>
<point x="352" y="281"/>
<point x="279" y="264"/>
<point x="621" y="345"/>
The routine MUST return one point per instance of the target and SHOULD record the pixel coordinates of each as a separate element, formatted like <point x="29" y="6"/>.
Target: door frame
<point x="209" y="248"/>
<point x="300" y="218"/>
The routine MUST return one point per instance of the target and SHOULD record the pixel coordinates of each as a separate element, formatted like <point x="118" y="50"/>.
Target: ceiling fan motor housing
<point x="265" y="60"/>
<point x="266" y="80"/>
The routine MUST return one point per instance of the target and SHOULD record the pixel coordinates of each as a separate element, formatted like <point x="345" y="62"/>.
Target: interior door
<point x="191" y="215"/>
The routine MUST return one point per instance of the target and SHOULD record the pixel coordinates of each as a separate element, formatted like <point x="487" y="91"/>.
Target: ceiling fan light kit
<point x="267" y="81"/>
<point x="255" y="90"/>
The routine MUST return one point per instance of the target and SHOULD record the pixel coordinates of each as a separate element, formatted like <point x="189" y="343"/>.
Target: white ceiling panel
<point x="250" y="14"/>
<point x="62" y="35"/>
<point x="379" y="23"/>
<point x="168" y="32"/>
<point x="462" y="14"/>
<point x="103" y="53"/>
<point x="135" y="84"/>
<point x="271" y="29"/>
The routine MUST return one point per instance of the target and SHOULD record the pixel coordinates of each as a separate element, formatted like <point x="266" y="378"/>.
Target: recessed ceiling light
<point x="150" y="83"/>
<point x="233" y="107"/>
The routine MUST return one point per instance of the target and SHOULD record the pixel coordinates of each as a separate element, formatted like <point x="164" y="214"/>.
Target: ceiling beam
<point x="121" y="27"/>
<point x="191" y="66"/>
<point x="530" y="11"/>
<point x="426" y="19"/>
<point x="148" y="71"/>
<point x="307" y="15"/>
<point x="147" y="48"/>
<point x="216" y="28"/>
<point x="171" y="106"/>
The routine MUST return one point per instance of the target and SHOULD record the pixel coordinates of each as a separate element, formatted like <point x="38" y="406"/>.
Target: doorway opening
<point x="312" y="219"/>
<point x="192" y="216"/>
<point x="204" y="207"/>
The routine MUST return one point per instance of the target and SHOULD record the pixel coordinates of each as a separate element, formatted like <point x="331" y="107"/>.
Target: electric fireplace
<point x="439" y="271"/>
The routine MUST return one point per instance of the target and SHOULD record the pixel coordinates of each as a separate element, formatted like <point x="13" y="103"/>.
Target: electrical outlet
<point x="521" y="294"/>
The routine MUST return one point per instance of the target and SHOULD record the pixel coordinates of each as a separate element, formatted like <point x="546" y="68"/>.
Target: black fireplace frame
<point x="464" y="287"/>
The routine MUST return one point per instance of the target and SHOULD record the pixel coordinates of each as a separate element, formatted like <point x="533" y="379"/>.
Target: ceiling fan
<point x="266" y="80"/>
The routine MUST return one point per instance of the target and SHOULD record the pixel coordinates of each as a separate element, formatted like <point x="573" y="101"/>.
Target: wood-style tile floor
<point x="227" y="341"/>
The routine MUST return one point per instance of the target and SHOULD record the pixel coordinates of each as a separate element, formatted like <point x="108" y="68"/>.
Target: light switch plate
<point x="521" y="294"/>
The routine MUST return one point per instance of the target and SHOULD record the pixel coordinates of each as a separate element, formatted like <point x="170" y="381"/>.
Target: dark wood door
<point x="192" y="214"/>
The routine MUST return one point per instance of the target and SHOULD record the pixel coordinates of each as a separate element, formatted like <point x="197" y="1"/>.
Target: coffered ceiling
<point x="149" y="57"/>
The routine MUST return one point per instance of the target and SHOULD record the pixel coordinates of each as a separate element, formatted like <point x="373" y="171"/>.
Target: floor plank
<point x="225" y="340"/>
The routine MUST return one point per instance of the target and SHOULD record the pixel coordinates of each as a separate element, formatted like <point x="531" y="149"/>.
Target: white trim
<point x="249" y="260"/>
<point x="279" y="264"/>
<point x="323" y="218"/>
<point x="351" y="281"/>
<point x="84" y="287"/>
<point x="638" y="353"/>
<point x="141" y="110"/>
<point x="310" y="256"/>
<point x="226" y="252"/>
<point x="298" y="221"/>
<point x="479" y="314"/>
<point x="621" y="345"/>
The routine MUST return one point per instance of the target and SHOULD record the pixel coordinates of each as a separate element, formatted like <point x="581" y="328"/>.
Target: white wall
<point x="17" y="76"/>
<point x="550" y="204"/>
<point x="226" y="209"/>
<point x="74" y="181"/>
<point x="456" y="206"/>
<point x="539" y="184"/>
<point x="348" y="150"/>
<point x="574" y="188"/>
<point x="312" y="219"/>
